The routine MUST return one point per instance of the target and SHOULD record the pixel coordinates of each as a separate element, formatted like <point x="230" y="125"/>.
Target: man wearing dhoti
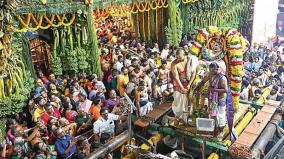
<point x="219" y="96"/>
<point x="183" y="76"/>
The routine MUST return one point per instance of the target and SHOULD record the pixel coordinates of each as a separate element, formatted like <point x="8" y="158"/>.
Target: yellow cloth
<point x="114" y="39"/>
<point x="122" y="79"/>
<point x="38" y="113"/>
<point x="159" y="61"/>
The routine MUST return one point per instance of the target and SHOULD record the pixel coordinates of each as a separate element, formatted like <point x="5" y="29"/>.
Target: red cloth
<point x="56" y="113"/>
<point x="45" y="117"/>
<point x="71" y="116"/>
<point x="44" y="80"/>
<point x="107" y="58"/>
<point x="110" y="77"/>
<point x="51" y="138"/>
<point x="89" y="85"/>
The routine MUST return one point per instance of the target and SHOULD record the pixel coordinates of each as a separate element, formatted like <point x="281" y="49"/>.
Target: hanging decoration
<point x="214" y="44"/>
<point x="143" y="27"/>
<point x="94" y="50"/>
<point x="39" y="23"/>
<point x="56" y="64"/>
<point x="214" y="13"/>
<point x="16" y="69"/>
<point x="189" y="1"/>
<point x="157" y="25"/>
<point x="149" y="25"/>
<point x="135" y="8"/>
<point x="175" y="24"/>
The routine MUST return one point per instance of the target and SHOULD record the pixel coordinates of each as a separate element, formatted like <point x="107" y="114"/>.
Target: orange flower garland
<point x="30" y="16"/>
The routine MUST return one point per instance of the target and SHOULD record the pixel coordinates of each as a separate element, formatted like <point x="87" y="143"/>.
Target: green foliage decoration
<point x="82" y="57"/>
<point x="175" y="24"/>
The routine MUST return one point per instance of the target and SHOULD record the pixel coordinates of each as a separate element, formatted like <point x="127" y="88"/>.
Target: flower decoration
<point x="213" y="44"/>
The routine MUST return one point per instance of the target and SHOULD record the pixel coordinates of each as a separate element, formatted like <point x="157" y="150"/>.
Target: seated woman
<point x="142" y="100"/>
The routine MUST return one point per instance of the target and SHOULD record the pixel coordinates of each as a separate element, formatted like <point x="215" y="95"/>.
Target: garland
<point x="189" y="1"/>
<point x="232" y="50"/>
<point x="135" y="8"/>
<point x="206" y="13"/>
<point x="236" y="43"/>
<point x="143" y="28"/>
<point x="157" y="25"/>
<point x="39" y="25"/>
<point x="149" y="25"/>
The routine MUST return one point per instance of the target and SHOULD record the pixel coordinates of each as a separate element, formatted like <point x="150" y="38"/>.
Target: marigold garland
<point x="149" y="25"/>
<point x="26" y="25"/>
<point x="135" y="8"/>
<point x="143" y="28"/>
<point x="156" y="25"/>
<point x="38" y="24"/>
<point x="151" y="5"/>
<point x="70" y="22"/>
<point x="189" y="1"/>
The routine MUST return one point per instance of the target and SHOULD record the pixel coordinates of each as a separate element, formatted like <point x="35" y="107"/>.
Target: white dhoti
<point x="146" y="109"/>
<point x="180" y="105"/>
<point x="221" y="116"/>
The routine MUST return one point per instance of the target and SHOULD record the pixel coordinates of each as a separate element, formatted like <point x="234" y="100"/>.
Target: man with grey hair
<point x="65" y="144"/>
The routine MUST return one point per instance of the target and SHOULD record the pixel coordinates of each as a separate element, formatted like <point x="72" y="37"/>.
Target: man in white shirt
<point x="119" y="63"/>
<point x="104" y="126"/>
<point x="165" y="52"/>
<point x="127" y="61"/>
<point x="156" y="48"/>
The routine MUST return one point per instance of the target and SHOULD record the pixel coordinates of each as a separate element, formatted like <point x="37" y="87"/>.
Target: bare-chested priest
<point x="183" y="71"/>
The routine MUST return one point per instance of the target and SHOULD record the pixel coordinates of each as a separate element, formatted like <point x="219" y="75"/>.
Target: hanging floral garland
<point x="38" y="23"/>
<point x="236" y="43"/>
<point x="102" y="14"/>
<point x="213" y="44"/>
<point x="189" y="1"/>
